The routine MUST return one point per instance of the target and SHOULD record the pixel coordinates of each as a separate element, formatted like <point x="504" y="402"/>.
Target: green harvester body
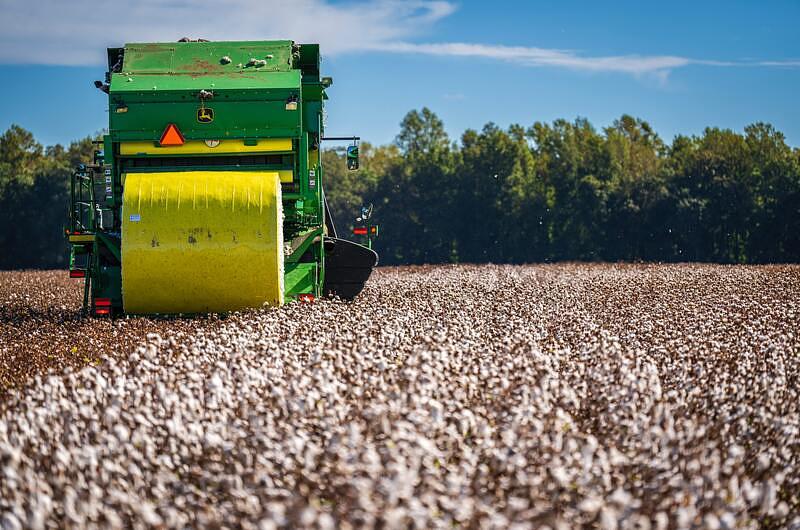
<point x="251" y="91"/>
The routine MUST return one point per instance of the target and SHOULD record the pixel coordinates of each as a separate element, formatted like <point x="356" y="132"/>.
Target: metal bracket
<point x="110" y="244"/>
<point x="300" y="244"/>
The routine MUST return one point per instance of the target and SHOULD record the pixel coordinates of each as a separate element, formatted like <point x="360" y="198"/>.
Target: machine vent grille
<point x="203" y="161"/>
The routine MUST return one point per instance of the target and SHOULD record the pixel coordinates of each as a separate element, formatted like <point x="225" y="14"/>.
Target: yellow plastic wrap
<point x="201" y="241"/>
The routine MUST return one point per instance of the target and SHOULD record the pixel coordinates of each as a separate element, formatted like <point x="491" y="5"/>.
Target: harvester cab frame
<point x="208" y="193"/>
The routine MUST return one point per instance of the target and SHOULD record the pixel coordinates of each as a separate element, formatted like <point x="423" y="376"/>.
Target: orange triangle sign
<point x="171" y="136"/>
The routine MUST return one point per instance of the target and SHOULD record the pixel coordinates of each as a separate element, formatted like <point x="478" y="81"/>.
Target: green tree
<point x="634" y="190"/>
<point x="714" y="180"/>
<point x="20" y="158"/>
<point x="572" y="162"/>
<point x="774" y="181"/>
<point x="501" y="200"/>
<point x="416" y="197"/>
<point x="34" y="197"/>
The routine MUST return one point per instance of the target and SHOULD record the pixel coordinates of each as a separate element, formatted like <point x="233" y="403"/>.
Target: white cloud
<point x="76" y="32"/>
<point x="630" y="64"/>
<point x="784" y="64"/>
<point x="658" y="66"/>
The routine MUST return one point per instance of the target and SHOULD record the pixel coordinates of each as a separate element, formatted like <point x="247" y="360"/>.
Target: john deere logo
<point x="205" y="115"/>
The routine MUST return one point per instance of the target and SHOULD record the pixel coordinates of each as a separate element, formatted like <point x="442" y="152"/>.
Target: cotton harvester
<point x="208" y="193"/>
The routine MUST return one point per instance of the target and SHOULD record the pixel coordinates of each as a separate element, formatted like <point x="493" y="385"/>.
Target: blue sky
<point x="680" y="65"/>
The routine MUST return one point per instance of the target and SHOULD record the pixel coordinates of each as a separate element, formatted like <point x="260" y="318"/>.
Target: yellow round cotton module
<point x="201" y="241"/>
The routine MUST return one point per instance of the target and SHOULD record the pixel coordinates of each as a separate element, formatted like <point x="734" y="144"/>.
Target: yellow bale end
<point x="201" y="241"/>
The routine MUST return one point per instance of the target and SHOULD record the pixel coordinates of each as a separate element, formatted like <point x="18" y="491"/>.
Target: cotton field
<point x="559" y="396"/>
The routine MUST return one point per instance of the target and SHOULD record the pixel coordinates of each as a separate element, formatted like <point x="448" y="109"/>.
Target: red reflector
<point x="360" y="231"/>
<point x="102" y="302"/>
<point x="305" y="297"/>
<point x="75" y="273"/>
<point x="102" y="311"/>
<point x="171" y="136"/>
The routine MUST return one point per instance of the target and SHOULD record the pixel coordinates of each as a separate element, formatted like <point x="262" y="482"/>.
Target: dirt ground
<point x="634" y="396"/>
<point x="41" y="328"/>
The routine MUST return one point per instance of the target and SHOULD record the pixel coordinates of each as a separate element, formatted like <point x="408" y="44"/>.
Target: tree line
<point x="568" y="191"/>
<point x="34" y="199"/>
<point x="549" y="192"/>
